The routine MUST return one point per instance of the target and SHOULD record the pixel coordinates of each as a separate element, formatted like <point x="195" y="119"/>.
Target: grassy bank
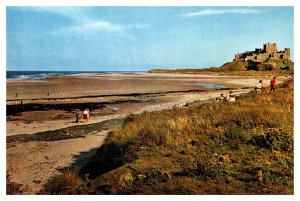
<point x="244" y="147"/>
<point x="269" y="67"/>
<point x="219" y="71"/>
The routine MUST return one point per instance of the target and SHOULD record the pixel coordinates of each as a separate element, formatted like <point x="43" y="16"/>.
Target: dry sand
<point x="31" y="164"/>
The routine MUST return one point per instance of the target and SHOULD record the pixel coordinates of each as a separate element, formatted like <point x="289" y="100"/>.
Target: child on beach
<point x="231" y="96"/>
<point x="221" y="98"/>
<point x="258" y="87"/>
<point x="273" y="83"/>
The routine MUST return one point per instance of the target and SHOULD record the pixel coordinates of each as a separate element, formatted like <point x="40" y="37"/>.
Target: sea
<point x="37" y="75"/>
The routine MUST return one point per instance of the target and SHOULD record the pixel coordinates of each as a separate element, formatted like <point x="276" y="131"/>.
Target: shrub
<point x="67" y="183"/>
<point x="275" y="139"/>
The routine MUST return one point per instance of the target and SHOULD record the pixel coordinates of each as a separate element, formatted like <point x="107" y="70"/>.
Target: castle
<point x="269" y="50"/>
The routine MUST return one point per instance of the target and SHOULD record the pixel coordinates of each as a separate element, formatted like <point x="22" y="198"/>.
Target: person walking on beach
<point x="258" y="87"/>
<point x="86" y="115"/>
<point x="273" y="83"/>
<point x="77" y="115"/>
<point x="231" y="96"/>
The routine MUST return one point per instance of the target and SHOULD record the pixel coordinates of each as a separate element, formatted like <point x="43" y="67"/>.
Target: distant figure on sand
<point x="273" y="83"/>
<point x="221" y="98"/>
<point x="258" y="87"/>
<point x="77" y="115"/>
<point x="86" y="115"/>
<point x="231" y="96"/>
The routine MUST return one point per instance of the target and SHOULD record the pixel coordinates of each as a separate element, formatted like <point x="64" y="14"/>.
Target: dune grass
<point x="245" y="147"/>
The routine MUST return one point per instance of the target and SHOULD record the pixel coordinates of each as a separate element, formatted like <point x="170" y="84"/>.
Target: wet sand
<point x="43" y="138"/>
<point x="115" y="83"/>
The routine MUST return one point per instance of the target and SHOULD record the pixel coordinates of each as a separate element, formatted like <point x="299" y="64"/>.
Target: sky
<point x="139" y="38"/>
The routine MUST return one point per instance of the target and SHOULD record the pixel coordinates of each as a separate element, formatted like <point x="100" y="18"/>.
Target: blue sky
<point x="140" y="38"/>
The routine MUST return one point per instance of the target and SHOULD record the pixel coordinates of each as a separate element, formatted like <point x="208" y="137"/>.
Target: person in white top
<point x="231" y="96"/>
<point x="86" y="115"/>
<point x="259" y="87"/>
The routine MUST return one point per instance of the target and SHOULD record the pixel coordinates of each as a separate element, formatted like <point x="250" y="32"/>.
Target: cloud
<point x="100" y="25"/>
<point x="82" y="20"/>
<point x="221" y="12"/>
<point x="74" y="13"/>
<point x="92" y="27"/>
<point x="141" y="26"/>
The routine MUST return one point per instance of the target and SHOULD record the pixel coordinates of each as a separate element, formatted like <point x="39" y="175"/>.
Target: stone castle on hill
<point x="269" y="50"/>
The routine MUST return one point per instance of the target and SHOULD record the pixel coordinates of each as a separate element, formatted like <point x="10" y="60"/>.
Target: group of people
<point x="260" y="85"/>
<point x="85" y="114"/>
<point x="231" y="96"/>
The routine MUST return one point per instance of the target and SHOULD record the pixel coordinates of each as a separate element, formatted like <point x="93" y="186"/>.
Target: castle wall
<point x="237" y="56"/>
<point x="262" y="56"/>
<point x="287" y="53"/>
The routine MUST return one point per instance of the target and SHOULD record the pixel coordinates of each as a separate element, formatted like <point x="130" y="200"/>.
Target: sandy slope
<point x="32" y="164"/>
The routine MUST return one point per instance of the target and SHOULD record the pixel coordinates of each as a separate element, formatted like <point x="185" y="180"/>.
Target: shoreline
<point x="40" y="117"/>
<point x="12" y="101"/>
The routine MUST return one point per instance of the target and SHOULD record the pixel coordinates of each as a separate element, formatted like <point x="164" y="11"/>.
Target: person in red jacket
<point x="273" y="83"/>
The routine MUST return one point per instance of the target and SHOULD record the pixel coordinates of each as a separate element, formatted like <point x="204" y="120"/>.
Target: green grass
<point x="217" y="71"/>
<point x="244" y="147"/>
<point x="284" y="67"/>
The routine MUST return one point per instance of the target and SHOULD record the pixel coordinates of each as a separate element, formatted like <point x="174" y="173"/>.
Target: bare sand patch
<point x="32" y="164"/>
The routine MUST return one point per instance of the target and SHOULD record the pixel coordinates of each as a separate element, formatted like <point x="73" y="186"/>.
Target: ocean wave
<point x="33" y="76"/>
<point x="38" y="75"/>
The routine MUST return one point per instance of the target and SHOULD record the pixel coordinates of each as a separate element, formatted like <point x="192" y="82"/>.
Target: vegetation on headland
<point x="269" y="67"/>
<point x="244" y="147"/>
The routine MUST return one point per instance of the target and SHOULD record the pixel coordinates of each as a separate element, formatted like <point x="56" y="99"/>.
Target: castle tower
<point x="287" y="52"/>
<point x="270" y="48"/>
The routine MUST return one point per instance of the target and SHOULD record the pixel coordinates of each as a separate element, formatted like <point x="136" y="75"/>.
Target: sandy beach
<point x="43" y="138"/>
